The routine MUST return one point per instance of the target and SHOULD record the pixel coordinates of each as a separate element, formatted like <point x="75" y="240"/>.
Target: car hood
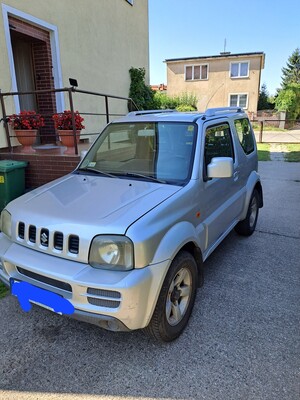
<point x="90" y="203"/>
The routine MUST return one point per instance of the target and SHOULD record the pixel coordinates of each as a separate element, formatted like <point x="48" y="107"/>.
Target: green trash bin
<point x="12" y="180"/>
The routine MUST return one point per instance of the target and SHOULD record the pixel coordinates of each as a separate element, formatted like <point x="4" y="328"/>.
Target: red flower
<point x="63" y="121"/>
<point x="26" y="120"/>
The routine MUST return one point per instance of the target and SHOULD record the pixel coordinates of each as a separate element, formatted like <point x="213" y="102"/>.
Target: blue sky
<point x="190" y="28"/>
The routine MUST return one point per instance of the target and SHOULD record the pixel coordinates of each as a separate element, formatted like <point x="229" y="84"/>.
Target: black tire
<point x="176" y="299"/>
<point x="247" y="226"/>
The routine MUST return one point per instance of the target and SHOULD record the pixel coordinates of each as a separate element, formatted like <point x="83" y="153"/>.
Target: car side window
<point x="244" y="133"/>
<point x="218" y="143"/>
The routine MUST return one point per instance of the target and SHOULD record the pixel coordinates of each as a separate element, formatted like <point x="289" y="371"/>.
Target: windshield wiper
<point x="138" y="175"/>
<point x="96" y="171"/>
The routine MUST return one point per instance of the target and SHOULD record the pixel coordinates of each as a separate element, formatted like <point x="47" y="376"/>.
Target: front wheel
<point x="176" y="299"/>
<point x="247" y="226"/>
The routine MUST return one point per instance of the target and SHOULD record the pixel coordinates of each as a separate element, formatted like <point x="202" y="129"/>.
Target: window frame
<point x="94" y="154"/>
<point x="241" y="140"/>
<point x="193" y="74"/>
<point x="239" y="76"/>
<point x="213" y="126"/>
<point x="238" y="103"/>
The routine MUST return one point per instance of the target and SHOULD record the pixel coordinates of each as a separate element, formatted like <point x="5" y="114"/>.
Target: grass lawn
<point x="3" y="290"/>
<point x="293" y="152"/>
<point x="263" y="150"/>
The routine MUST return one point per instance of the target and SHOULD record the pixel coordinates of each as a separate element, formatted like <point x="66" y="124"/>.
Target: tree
<point x="291" y="73"/>
<point x="288" y="99"/>
<point x="263" y="99"/>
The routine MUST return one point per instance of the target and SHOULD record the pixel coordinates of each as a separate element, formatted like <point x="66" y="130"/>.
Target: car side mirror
<point x="220" y="167"/>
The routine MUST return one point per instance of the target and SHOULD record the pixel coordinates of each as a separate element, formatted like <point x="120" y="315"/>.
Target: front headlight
<point x="5" y="223"/>
<point x="111" y="252"/>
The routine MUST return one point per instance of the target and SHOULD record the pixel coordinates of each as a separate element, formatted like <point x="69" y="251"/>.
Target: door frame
<point x="55" y="52"/>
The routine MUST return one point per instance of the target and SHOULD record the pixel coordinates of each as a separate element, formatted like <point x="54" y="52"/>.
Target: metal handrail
<point x="70" y="91"/>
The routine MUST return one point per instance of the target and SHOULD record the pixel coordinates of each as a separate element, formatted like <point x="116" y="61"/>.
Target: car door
<point x="222" y="197"/>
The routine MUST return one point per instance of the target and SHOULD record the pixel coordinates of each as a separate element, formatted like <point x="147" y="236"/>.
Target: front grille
<point x="45" y="279"/>
<point x="42" y="237"/>
<point x="73" y="244"/>
<point x="32" y="233"/>
<point x="104" y="298"/>
<point x="103" y="303"/>
<point x="58" y="240"/>
<point x="21" y="230"/>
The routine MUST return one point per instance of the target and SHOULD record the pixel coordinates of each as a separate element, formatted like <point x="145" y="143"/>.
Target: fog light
<point x="113" y="326"/>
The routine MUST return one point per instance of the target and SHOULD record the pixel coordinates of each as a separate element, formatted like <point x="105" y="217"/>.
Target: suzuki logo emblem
<point x="44" y="238"/>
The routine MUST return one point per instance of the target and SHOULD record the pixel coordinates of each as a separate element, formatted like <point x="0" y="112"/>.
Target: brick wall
<point x="43" y="168"/>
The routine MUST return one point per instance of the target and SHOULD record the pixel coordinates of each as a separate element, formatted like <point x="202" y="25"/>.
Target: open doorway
<point x="33" y="69"/>
<point x="24" y="68"/>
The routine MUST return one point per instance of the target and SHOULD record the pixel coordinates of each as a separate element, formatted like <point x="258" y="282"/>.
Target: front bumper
<point x="113" y="300"/>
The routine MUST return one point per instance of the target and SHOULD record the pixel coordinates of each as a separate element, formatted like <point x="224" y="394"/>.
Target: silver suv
<point x="120" y="242"/>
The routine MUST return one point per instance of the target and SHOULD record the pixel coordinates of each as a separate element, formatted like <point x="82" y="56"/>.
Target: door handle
<point x="236" y="175"/>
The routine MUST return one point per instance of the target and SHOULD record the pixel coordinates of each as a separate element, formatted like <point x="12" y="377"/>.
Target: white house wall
<point x="95" y="42"/>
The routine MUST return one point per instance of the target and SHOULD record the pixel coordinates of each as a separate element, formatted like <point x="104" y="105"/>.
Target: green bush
<point x="182" y="102"/>
<point x="139" y="92"/>
<point x="185" y="108"/>
<point x="146" y="99"/>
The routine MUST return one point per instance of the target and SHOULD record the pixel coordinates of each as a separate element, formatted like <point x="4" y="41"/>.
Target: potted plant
<point x="64" y="124"/>
<point x="25" y="125"/>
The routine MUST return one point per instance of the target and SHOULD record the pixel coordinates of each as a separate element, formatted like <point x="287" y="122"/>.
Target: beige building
<point x="44" y="43"/>
<point x="218" y="81"/>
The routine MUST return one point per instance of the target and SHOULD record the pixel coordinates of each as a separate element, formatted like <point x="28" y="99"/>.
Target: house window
<point x="238" y="100"/>
<point x="196" y="72"/>
<point x="239" y="70"/>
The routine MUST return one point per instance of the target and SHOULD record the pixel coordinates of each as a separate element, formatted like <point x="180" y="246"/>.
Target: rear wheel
<point x="176" y="299"/>
<point x="247" y="226"/>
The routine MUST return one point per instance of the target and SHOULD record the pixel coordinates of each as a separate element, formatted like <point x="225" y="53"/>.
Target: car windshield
<point x="160" y="151"/>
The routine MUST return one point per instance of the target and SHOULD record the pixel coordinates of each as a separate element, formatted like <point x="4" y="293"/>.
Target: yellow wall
<point x="215" y="91"/>
<point x="99" y="41"/>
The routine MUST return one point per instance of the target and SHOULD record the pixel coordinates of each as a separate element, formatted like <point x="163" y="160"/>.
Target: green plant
<point x="139" y="92"/>
<point x="182" y="102"/>
<point x="185" y="108"/>
<point x="288" y="99"/>
<point x="264" y="102"/>
<point x="291" y="73"/>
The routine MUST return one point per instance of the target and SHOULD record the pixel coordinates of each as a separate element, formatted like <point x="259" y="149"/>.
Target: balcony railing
<point x="49" y="134"/>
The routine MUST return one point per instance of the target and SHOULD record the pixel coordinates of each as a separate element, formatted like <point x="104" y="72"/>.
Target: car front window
<point x="162" y="151"/>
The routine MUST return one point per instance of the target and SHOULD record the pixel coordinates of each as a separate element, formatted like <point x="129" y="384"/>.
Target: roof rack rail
<point x="146" y="112"/>
<point x="210" y="112"/>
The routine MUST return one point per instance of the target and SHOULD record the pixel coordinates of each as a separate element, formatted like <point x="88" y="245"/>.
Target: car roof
<point x="172" y="115"/>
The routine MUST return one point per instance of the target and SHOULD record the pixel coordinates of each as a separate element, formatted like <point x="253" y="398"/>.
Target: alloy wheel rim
<point x="179" y="295"/>
<point x="253" y="212"/>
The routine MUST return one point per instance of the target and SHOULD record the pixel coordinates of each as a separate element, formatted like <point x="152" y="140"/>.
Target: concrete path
<point x="277" y="151"/>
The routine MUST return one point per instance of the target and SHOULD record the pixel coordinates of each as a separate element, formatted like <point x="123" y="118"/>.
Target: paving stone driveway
<point x="242" y="341"/>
